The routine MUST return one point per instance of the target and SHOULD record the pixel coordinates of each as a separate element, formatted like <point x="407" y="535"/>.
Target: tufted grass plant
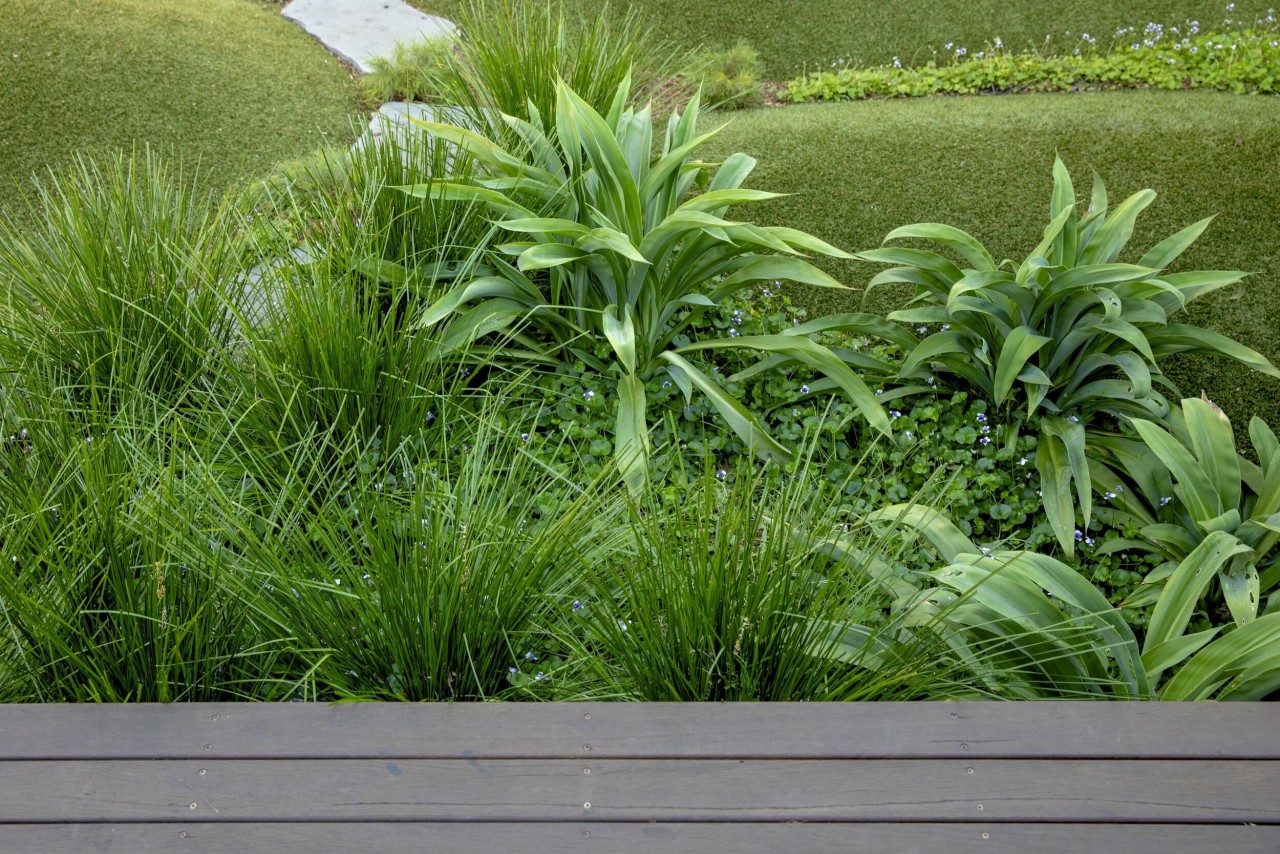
<point x="417" y="580"/>
<point x="733" y="592"/>
<point x="123" y="288"/>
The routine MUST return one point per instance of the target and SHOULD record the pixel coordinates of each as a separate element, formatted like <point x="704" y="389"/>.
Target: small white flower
<point x="589" y="395"/>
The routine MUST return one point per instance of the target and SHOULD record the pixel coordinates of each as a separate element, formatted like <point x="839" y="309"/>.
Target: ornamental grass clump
<point x="1066" y="343"/>
<point x="121" y="290"/>
<point x="608" y="242"/>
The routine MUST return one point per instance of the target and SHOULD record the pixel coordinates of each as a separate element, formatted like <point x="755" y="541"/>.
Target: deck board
<point x="640" y="790"/>
<point x="636" y="730"/>
<point x="645" y="838"/>
<point x="1174" y="778"/>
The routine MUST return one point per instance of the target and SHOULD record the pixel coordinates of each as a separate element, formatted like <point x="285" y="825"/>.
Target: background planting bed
<point x="955" y="777"/>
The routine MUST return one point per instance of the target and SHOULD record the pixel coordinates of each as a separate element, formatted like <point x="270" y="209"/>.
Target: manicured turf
<point x="983" y="164"/>
<point x="791" y="35"/>
<point x="227" y="83"/>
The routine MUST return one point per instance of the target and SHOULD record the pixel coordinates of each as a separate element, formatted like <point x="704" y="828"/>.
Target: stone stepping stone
<point x="359" y="31"/>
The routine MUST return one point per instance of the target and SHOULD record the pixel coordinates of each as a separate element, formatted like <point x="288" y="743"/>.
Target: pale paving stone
<point x="361" y="30"/>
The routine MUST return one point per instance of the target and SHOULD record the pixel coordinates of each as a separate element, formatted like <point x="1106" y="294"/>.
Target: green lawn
<point x="226" y="83"/>
<point x="983" y="164"/>
<point x="791" y="36"/>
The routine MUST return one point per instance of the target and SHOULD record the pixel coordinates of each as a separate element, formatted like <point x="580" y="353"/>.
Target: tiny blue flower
<point x="986" y="440"/>
<point x="804" y="389"/>
<point x="589" y="394"/>
<point x="577" y="605"/>
<point x="981" y="416"/>
<point x="513" y="671"/>
<point x="1079" y="535"/>
<point x="722" y="474"/>
<point x="524" y="437"/>
<point x="893" y="413"/>
<point x="529" y="656"/>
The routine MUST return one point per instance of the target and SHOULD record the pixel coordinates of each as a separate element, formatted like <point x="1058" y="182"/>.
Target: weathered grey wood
<point x="641" y="838"/>
<point x="651" y="730"/>
<point x="641" y="790"/>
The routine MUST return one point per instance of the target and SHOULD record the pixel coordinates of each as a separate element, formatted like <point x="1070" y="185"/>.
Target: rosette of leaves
<point x="1043" y="630"/>
<point x="1067" y="341"/>
<point x="1207" y="510"/>
<point x="609" y="243"/>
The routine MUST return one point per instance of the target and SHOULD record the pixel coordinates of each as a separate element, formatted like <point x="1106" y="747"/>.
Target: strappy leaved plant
<point x="1066" y="341"/>
<point x="610" y="245"/>
<point x="1190" y="494"/>
<point x="1051" y="632"/>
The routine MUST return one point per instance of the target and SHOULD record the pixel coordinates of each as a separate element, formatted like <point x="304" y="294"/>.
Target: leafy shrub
<point x="1067" y="342"/>
<point x="609" y="249"/>
<point x="1178" y="488"/>
<point x="1241" y="60"/>
<point x="729" y="78"/>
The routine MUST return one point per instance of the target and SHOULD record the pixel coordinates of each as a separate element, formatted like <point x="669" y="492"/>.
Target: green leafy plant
<point x="1066" y="341"/>
<point x="1176" y="57"/>
<point x="729" y="78"/>
<point x="1052" y="634"/>
<point x="609" y="248"/>
<point x="1206" y="510"/>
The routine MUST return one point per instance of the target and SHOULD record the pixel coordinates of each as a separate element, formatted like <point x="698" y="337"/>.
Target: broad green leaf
<point x="1184" y="338"/>
<point x="546" y="255"/>
<point x="815" y="356"/>
<point x="932" y="524"/>
<point x="1021" y="345"/>
<point x="1215" y="448"/>
<point x="1055" y="489"/>
<point x="1241" y="589"/>
<point x="1214" y="666"/>
<point x="615" y="241"/>
<point x="1186" y="587"/>
<point x="622" y="335"/>
<point x="772" y="268"/>
<point x="476" y="289"/>
<point x="631" y="435"/>
<point x="962" y="242"/>
<point x="1198" y="490"/>
<point x="1112" y="235"/>
<point x="749" y="428"/>
<point x="1167" y="251"/>
<point x="1174" y="651"/>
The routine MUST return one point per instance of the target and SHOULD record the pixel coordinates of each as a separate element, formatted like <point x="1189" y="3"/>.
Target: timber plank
<point x="643" y="838"/>
<point x="650" y="730"/>
<point x="1153" y="791"/>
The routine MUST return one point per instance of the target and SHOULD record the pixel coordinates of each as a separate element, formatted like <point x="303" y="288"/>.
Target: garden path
<point x="359" y="31"/>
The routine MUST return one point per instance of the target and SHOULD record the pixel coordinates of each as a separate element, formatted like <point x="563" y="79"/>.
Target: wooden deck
<point x="746" y="778"/>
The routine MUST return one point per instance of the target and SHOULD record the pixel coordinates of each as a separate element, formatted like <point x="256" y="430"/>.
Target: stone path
<point x="359" y="31"/>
